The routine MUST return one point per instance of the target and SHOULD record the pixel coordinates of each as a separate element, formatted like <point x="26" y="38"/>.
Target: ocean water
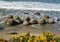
<point x="45" y="1"/>
<point x="43" y="6"/>
<point x="35" y="4"/>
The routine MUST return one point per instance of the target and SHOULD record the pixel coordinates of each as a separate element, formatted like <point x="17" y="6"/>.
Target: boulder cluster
<point x="12" y="20"/>
<point x="15" y="20"/>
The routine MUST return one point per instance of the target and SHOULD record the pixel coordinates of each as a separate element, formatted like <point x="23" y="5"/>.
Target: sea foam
<point x="30" y="6"/>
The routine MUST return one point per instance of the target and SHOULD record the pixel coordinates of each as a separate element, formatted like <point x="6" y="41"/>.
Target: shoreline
<point x="36" y="9"/>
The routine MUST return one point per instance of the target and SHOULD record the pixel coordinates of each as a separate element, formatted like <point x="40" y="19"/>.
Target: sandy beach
<point x="34" y="30"/>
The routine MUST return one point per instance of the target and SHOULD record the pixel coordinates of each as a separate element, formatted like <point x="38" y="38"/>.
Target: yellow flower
<point x="28" y="40"/>
<point x="24" y="35"/>
<point x="15" y="36"/>
<point x="54" y="41"/>
<point x="21" y="38"/>
<point x="35" y="40"/>
<point x="42" y="38"/>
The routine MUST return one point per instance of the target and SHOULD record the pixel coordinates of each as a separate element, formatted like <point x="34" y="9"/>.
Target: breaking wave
<point x="30" y="5"/>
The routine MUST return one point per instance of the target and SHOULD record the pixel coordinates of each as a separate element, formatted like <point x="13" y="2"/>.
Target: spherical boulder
<point x="51" y="21"/>
<point x="41" y="21"/>
<point x="26" y="18"/>
<point x="9" y="21"/>
<point x="26" y="23"/>
<point x="18" y="21"/>
<point x="32" y="21"/>
<point x="46" y="17"/>
<point x="16" y="18"/>
<point x="9" y="16"/>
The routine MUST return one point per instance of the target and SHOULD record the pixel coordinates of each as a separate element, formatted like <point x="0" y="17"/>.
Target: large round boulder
<point x="9" y="16"/>
<point x="18" y="21"/>
<point x="26" y="23"/>
<point x="9" y="21"/>
<point x="51" y="21"/>
<point x="32" y="21"/>
<point x="41" y="21"/>
<point x="46" y="16"/>
<point x="16" y="18"/>
<point x="26" y="18"/>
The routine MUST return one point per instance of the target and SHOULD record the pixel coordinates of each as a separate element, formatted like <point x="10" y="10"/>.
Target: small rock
<point x="1" y="28"/>
<point x="58" y="19"/>
<point x="26" y="13"/>
<point x="37" y="13"/>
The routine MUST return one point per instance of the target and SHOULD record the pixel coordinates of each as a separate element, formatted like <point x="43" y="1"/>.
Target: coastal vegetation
<point x="45" y="37"/>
